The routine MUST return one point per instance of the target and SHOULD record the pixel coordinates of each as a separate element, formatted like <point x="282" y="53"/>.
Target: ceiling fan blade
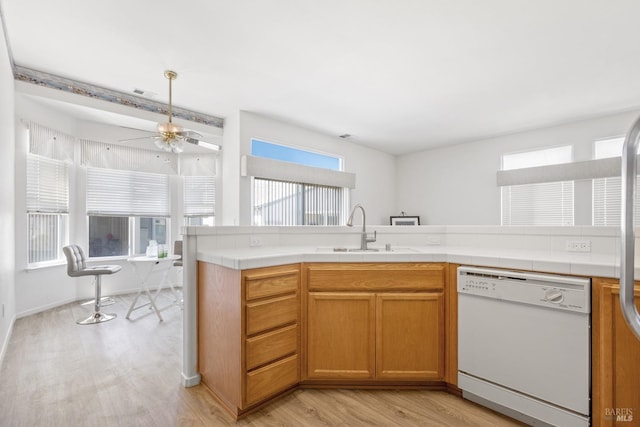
<point x="204" y="144"/>
<point x="138" y="138"/>
<point x="189" y="134"/>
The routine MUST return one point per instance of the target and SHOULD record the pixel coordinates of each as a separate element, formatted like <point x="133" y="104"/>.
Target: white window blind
<point x="47" y="195"/>
<point x="113" y="192"/>
<point x="607" y="201"/>
<point x="549" y="203"/>
<point x="199" y="195"/>
<point x="290" y="203"/>
<point x="540" y="203"/>
<point x="607" y="192"/>
<point x="47" y="185"/>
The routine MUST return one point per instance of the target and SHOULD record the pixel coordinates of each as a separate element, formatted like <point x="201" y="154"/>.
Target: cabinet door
<point x="410" y="336"/>
<point x="341" y="335"/>
<point x="616" y="356"/>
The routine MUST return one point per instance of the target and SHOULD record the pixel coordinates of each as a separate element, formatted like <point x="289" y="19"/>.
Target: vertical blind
<point x="113" y="192"/>
<point x="290" y="203"/>
<point x="549" y="203"/>
<point x="199" y="195"/>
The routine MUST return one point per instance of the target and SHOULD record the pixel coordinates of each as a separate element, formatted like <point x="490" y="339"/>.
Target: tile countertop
<point x="582" y="264"/>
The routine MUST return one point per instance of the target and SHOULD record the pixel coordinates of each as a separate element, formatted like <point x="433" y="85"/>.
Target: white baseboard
<point x="46" y="307"/>
<point x="7" y="338"/>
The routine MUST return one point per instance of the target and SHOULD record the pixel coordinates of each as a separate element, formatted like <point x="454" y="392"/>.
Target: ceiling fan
<point x="170" y="137"/>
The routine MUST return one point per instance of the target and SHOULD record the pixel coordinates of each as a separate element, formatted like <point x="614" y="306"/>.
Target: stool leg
<point x="97" y="316"/>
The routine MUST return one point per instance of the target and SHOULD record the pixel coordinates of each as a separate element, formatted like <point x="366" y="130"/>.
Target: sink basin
<point x="372" y="249"/>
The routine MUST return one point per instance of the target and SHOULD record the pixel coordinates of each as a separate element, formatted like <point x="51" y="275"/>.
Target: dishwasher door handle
<point x="627" y="234"/>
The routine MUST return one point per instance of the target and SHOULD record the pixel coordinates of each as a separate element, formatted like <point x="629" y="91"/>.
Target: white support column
<point x="190" y="375"/>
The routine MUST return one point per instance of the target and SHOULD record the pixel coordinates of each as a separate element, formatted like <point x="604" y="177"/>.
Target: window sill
<point x="43" y="265"/>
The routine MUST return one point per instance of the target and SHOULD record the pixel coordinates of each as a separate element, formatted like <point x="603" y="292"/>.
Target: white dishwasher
<point x="524" y="344"/>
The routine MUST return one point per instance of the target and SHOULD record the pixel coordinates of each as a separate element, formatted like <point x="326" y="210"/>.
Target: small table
<point x="145" y="267"/>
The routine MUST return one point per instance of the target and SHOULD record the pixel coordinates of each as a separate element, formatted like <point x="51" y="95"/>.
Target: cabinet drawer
<point x="261" y="283"/>
<point x="273" y="345"/>
<point x="271" y="313"/>
<point x="375" y="276"/>
<point x="266" y="381"/>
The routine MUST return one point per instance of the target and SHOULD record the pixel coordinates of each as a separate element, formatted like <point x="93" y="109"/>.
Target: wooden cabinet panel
<point x="272" y="345"/>
<point x="375" y="276"/>
<point x="267" y="282"/>
<point x="271" y="379"/>
<point x="410" y="336"/>
<point x="220" y="331"/>
<point x="340" y="335"/>
<point x="616" y="356"/>
<point x="267" y="314"/>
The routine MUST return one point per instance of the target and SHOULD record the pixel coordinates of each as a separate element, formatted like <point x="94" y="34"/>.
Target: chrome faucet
<point x="364" y="240"/>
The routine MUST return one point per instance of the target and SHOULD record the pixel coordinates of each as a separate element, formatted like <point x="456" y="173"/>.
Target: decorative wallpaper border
<point x="51" y="81"/>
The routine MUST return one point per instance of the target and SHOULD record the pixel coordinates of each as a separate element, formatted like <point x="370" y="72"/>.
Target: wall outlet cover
<point x="578" y="245"/>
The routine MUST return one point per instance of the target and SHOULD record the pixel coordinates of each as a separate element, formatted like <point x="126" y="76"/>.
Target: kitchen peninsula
<point x="279" y="299"/>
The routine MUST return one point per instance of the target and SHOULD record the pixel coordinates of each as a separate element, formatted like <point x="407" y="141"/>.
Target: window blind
<point x="607" y="191"/>
<point x="607" y="202"/>
<point x="47" y="185"/>
<point x="549" y="203"/>
<point x="113" y="192"/>
<point x="199" y="195"/>
<point x="291" y="203"/>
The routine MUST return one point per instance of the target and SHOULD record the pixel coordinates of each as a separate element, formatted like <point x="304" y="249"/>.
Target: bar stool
<point x="77" y="267"/>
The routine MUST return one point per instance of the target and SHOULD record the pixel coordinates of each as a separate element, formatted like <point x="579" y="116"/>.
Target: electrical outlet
<point x="578" y="245"/>
<point x="255" y="241"/>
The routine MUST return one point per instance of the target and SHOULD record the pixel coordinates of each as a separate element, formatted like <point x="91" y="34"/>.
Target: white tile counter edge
<point x="589" y="264"/>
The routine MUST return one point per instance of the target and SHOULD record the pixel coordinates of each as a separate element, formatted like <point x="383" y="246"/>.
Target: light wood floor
<point x="127" y="373"/>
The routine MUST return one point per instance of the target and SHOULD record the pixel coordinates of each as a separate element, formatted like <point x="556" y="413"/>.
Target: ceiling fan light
<point x="168" y="127"/>
<point x="159" y="143"/>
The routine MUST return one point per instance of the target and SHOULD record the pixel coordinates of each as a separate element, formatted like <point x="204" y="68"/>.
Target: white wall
<point x="7" y="193"/>
<point x="375" y="170"/>
<point x="457" y="185"/>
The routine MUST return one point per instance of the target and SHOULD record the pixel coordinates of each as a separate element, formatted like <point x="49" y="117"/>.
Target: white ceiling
<point x="400" y="75"/>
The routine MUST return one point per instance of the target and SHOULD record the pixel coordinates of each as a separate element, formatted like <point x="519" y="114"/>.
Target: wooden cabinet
<point x="377" y="321"/>
<point x="410" y="336"/>
<point x="341" y="335"/>
<point x="248" y="333"/>
<point x="615" y="358"/>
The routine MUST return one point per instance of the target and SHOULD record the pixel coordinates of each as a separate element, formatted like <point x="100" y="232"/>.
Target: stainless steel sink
<point x="399" y="249"/>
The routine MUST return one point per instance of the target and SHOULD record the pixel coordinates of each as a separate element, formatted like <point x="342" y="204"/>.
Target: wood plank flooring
<point x="127" y="373"/>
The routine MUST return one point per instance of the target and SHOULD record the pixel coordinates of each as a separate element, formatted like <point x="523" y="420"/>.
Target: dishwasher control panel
<point x="561" y="292"/>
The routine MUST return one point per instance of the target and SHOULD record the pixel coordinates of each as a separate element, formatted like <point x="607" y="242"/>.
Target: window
<point x="289" y="203"/>
<point x="47" y="208"/>
<point x="298" y="195"/>
<point x="199" y="200"/>
<point x="547" y="203"/>
<point x="607" y="192"/>
<point x="126" y="210"/>
<point x="269" y="150"/>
